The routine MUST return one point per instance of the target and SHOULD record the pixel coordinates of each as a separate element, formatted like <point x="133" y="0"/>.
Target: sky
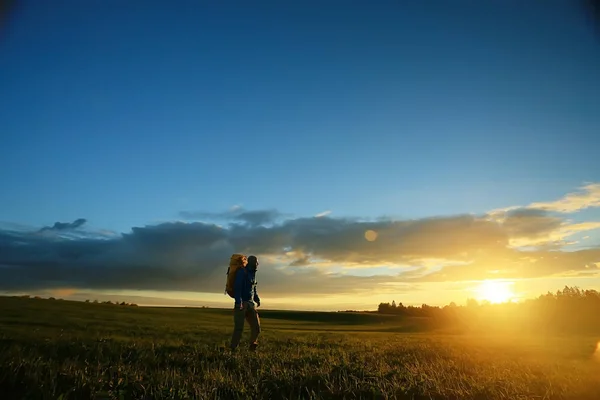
<point x="143" y="144"/>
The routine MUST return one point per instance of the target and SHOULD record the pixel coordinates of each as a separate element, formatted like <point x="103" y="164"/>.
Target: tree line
<point x="571" y="310"/>
<point x="116" y="303"/>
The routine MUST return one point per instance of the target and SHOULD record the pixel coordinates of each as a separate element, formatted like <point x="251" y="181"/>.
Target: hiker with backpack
<point x="241" y="285"/>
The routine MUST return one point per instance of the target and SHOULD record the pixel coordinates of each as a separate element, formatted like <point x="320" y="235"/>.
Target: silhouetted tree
<point x="571" y="310"/>
<point x="472" y="303"/>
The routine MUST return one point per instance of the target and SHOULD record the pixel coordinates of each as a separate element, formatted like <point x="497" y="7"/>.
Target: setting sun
<point x="495" y="291"/>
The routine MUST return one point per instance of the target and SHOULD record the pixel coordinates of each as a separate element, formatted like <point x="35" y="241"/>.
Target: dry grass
<point x="55" y="349"/>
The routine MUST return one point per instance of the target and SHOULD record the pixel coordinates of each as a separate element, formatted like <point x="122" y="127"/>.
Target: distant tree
<point x="87" y="300"/>
<point x="51" y="298"/>
<point x="384" y="308"/>
<point x="571" y="310"/>
<point x="472" y="303"/>
<point x="393" y="303"/>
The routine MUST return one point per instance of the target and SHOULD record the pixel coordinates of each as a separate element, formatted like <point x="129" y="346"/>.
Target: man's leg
<point x="254" y="321"/>
<point x="238" y="327"/>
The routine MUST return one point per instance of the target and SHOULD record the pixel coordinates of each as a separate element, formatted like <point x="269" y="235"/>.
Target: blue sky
<point x="126" y="115"/>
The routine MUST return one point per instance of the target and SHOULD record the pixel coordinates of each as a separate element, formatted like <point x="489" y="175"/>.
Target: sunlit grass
<point x="74" y="350"/>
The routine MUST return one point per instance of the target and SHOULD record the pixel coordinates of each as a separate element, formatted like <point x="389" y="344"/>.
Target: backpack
<point x="236" y="262"/>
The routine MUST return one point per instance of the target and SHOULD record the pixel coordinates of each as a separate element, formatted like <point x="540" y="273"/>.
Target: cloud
<point x="301" y="261"/>
<point x="256" y="218"/>
<point x="13" y="226"/>
<point x="517" y="264"/>
<point x="323" y="214"/>
<point x="63" y="226"/>
<point x="168" y="257"/>
<point x="530" y="223"/>
<point x="588" y="196"/>
<point x="298" y="254"/>
<point x="342" y="240"/>
<point x="236" y="214"/>
<point x="543" y="224"/>
<point x="193" y="256"/>
<point x="535" y="227"/>
<point x="185" y="257"/>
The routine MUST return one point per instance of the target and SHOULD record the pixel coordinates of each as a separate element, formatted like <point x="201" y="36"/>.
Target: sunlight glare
<point x="495" y="291"/>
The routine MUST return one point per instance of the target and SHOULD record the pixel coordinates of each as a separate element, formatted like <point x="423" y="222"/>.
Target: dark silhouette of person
<point x="246" y="302"/>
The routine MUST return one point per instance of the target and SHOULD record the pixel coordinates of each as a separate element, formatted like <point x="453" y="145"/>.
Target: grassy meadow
<point x="53" y="349"/>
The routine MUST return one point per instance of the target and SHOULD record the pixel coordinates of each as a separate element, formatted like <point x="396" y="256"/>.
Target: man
<point x="246" y="302"/>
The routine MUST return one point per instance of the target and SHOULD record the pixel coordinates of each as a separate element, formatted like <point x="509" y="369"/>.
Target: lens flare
<point x="371" y="235"/>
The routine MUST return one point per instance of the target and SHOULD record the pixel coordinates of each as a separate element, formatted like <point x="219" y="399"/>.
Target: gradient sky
<point x="138" y="116"/>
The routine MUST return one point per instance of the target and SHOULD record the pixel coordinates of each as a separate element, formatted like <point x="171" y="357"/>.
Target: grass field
<point x="66" y="350"/>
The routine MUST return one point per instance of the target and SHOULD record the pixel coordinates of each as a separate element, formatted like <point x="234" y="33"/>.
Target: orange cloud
<point x="588" y="196"/>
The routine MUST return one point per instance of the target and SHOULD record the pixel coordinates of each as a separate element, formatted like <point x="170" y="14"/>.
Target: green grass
<point x="59" y="349"/>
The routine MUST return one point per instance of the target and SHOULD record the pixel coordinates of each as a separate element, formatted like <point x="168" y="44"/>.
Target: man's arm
<point x="256" y="298"/>
<point x="238" y="286"/>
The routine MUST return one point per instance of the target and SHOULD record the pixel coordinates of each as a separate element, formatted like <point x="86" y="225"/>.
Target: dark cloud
<point x="193" y="256"/>
<point x="530" y="223"/>
<point x="172" y="256"/>
<point x="256" y="218"/>
<point x="343" y="240"/>
<point x="540" y="229"/>
<point x="63" y="226"/>
<point x="252" y="218"/>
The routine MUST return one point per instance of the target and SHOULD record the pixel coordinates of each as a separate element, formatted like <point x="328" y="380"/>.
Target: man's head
<point x="253" y="263"/>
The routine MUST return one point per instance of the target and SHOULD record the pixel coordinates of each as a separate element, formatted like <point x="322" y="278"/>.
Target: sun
<point x="495" y="291"/>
